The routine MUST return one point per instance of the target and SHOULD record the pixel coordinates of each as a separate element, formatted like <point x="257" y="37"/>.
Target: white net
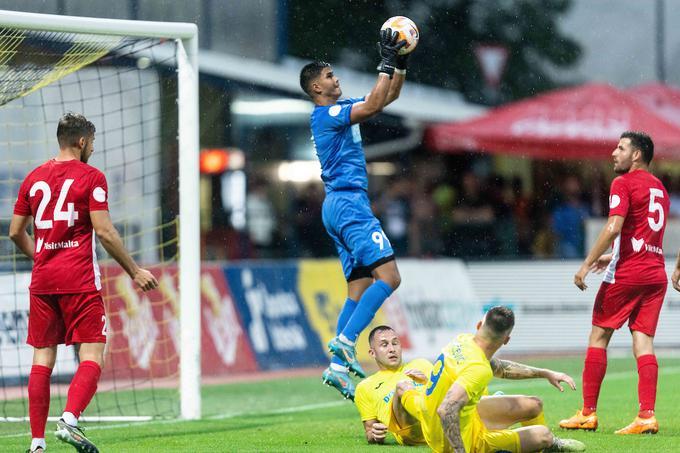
<point x="128" y="89"/>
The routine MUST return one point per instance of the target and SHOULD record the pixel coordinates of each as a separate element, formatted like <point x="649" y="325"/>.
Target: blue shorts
<point x="361" y="243"/>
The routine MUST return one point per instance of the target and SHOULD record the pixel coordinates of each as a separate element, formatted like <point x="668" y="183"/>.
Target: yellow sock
<point x="537" y="420"/>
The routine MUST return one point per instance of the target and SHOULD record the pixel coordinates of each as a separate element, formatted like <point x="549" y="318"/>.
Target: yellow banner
<point x="323" y="290"/>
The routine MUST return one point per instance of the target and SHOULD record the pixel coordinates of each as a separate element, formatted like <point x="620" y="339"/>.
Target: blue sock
<point x="370" y="302"/>
<point x="344" y="316"/>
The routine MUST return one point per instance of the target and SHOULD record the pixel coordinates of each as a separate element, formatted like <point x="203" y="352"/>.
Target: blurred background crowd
<point x="439" y="206"/>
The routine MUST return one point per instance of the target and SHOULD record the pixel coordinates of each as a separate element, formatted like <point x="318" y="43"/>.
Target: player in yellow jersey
<point x="453" y="414"/>
<point x="375" y="398"/>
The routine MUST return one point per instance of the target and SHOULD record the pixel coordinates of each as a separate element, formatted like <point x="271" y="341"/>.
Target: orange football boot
<point x="580" y="421"/>
<point x="641" y="426"/>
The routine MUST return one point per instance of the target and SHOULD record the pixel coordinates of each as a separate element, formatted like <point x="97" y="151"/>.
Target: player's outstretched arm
<point x="18" y="234"/>
<point x="609" y="232"/>
<point x="110" y="239"/>
<point x="508" y="369"/>
<point x="374" y="103"/>
<point x="398" y="80"/>
<point x="377" y="98"/>
<point x="449" y="414"/>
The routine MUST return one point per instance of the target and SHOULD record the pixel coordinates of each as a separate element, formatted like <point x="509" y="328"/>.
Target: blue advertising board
<point x="273" y="315"/>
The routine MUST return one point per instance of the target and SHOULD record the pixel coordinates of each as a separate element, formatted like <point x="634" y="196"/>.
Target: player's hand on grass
<point x="416" y="375"/>
<point x="378" y="432"/>
<point x="675" y="278"/>
<point x="555" y="378"/>
<point x="601" y="264"/>
<point x="580" y="277"/>
<point x="145" y="280"/>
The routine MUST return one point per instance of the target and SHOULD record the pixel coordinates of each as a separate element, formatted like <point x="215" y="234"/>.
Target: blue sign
<point x="273" y="315"/>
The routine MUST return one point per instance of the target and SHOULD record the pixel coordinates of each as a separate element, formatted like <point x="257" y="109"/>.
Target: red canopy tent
<point x="582" y="122"/>
<point x="660" y="98"/>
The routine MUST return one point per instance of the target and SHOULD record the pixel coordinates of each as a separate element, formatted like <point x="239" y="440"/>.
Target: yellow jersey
<point x="373" y="398"/>
<point x="463" y="362"/>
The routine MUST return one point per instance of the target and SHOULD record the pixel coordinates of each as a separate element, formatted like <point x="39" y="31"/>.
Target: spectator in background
<point x="568" y="219"/>
<point x="674" y="196"/>
<point x="260" y="218"/>
<point x="426" y="232"/>
<point x="543" y="244"/>
<point x="473" y="220"/>
<point x="444" y="197"/>
<point x="505" y="231"/>
<point x="310" y="232"/>
<point x="521" y="210"/>
<point x="394" y="211"/>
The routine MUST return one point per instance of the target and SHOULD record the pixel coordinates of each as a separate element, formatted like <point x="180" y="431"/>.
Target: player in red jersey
<point x="67" y="200"/>
<point x="634" y="281"/>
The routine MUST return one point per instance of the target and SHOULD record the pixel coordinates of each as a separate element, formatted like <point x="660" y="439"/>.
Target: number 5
<point x="654" y="207"/>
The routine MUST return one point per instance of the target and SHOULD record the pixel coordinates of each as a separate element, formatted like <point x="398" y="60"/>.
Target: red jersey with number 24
<point x="60" y="195"/>
<point x="637" y="254"/>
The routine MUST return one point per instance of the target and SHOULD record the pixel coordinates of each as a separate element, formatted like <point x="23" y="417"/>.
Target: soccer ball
<point x="408" y="31"/>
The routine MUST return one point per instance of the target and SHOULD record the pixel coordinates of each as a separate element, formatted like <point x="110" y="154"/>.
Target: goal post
<point x="185" y="36"/>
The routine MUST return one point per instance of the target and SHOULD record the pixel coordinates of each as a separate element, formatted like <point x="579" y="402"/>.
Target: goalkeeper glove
<point x="389" y="50"/>
<point x="401" y="63"/>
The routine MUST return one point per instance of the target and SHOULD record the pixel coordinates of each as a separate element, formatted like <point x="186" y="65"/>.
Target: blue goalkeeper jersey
<point x="338" y="145"/>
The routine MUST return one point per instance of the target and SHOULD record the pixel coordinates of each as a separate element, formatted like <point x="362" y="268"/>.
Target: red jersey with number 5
<point x="637" y="254"/>
<point x="60" y="195"/>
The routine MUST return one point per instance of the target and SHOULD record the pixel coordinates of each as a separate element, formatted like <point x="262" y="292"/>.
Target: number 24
<point x="70" y="215"/>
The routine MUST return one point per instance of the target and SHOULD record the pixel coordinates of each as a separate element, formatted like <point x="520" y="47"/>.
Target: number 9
<point x="378" y="238"/>
<point x="436" y="373"/>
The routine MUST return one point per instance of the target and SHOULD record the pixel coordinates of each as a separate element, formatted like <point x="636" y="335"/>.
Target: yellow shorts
<point x="496" y="441"/>
<point x="483" y="440"/>
<point x="407" y="435"/>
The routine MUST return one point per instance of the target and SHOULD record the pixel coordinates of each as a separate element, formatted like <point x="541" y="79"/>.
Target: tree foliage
<point x="345" y="32"/>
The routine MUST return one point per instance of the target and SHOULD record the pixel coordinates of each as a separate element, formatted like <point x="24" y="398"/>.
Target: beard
<point x="621" y="170"/>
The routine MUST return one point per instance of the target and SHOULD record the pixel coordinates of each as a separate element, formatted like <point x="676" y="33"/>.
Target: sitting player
<point x="456" y="417"/>
<point x="379" y="410"/>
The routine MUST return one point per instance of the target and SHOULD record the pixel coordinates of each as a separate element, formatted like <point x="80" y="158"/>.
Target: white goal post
<point x="186" y="37"/>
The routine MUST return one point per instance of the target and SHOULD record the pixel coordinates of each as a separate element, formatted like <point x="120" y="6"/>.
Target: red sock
<point x="648" y="373"/>
<point x="82" y="388"/>
<point x="39" y="399"/>
<point x="593" y="373"/>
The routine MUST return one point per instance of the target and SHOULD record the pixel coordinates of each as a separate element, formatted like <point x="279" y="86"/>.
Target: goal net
<point x="137" y="90"/>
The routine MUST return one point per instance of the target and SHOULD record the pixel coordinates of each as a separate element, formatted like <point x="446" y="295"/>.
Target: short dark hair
<point x="71" y="127"/>
<point x="641" y="141"/>
<point x="310" y="72"/>
<point x="377" y="330"/>
<point x="499" y="320"/>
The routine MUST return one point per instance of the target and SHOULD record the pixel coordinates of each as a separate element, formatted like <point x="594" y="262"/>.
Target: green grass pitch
<point x="300" y="414"/>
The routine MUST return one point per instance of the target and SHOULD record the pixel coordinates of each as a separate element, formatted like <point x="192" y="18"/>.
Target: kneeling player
<point x="455" y="417"/>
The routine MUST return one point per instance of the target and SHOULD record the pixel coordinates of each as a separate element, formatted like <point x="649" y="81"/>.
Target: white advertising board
<point x="435" y="302"/>
<point x="16" y="356"/>
<point x="553" y="315"/>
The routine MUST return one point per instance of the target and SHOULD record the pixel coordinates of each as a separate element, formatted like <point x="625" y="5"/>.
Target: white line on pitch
<point x="307" y="407"/>
<point x="283" y="410"/>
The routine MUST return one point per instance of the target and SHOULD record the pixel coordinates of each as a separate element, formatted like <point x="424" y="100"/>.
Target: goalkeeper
<point x="365" y="252"/>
